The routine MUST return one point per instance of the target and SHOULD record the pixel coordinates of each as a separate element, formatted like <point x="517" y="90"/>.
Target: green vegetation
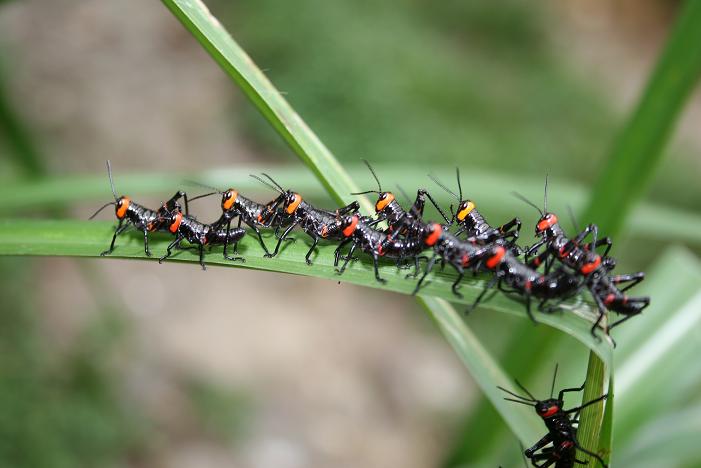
<point x="474" y="86"/>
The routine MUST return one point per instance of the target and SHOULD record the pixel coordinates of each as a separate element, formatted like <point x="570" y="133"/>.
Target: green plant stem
<point x="592" y="416"/>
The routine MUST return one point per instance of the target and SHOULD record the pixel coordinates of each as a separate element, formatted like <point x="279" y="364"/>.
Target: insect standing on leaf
<point x="473" y="224"/>
<point x="199" y="234"/>
<point x="318" y="224"/>
<point x="512" y="276"/>
<point x="235" y="205"/>
<point x="130" y="213"/>
<point x="586" y="263"/>
<point x="559" y="446"/>
<point x="401" y="222"/>
<point x="360" y="232"/>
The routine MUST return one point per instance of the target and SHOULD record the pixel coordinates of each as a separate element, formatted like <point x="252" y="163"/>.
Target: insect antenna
<point x="379" y="186"/>
<point x="526" y="200"/>
<point x="376" y="180"/>
<point x="515" y="394"/>
<point x="109" y="174"/>
<point x="552" y="387"/>
<point x="282" y="190"/>
<point x="101" y="208"/>
<point x="203" y="185"/>
<point x="518" y="401"/>
<point x="200" y="184"/>
<point x="441" y="185"/>
<point x="525" y="390"/>
<point x="267" y="184"/>
<point x="457" y="174"/>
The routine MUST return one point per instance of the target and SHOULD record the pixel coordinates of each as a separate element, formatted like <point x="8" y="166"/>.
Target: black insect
<point x="131" y="214"/>
<point x="559" y="446"/>
<point x="252" y="213"/>
<point x="586" y="263"/>
<point x="360" y="232"/>
<point x="511" y="276"/>
<point x="473" y="224"/>
<point x="186" y="227"/>
<point x="401" y="222"/>
<point x="317" y="223"/>
<point x="448" y="248"/>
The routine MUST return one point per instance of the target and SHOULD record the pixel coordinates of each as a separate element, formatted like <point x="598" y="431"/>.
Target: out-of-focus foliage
<point x="59" y="409"/>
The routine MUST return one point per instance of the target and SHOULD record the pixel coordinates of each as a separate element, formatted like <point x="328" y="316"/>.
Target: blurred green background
<point x="122" y="364"/>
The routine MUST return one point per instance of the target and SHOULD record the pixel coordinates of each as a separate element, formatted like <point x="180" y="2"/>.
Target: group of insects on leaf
<point x="552" y="270"/>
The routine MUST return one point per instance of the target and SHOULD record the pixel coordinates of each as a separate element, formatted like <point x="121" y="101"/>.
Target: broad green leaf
<point x="661" y="346"/>
<point x="670" y="441"/>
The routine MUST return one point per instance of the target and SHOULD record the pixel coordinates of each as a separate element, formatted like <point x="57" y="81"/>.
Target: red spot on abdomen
<point x="587" y="268"/>
<point x="495" y="259"/>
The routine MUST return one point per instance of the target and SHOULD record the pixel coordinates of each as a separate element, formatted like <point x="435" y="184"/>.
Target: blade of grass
<point x="198" y="20"/>
<point x="88" y="238"/>
<point x="633" y="160"/>
<point x="195" y="16"/>
<point x="486" y="372"/>
<point x="639" y="147"/>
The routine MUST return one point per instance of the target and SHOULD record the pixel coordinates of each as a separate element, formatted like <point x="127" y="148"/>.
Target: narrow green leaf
<point x="89" y="238"/>
<point x="592" y="416"/>
<point x="483" y="368"/>
<point x="238" y="65"/>
<point x="606" y="438"/>
<point x="639" y="148"/>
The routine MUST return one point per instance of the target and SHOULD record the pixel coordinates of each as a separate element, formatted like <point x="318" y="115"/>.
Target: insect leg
<point x="311" y="249"/>
<point x="169" y="249"/>
<point x="121" y="227"/>
<point x="429" y="267"/>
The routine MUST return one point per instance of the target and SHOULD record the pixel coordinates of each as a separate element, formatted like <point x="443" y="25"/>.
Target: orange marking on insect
<point x="122" y="210"/>
<point x="293" y="206"/>
<point x="176" y="223"/>
<point x="547" y="222"/>
<point x="527" y="286"/>
<point x="382" y="204"/>
<point x="625" y="299"/>
<point x="495" y="259"/>
<point x="591" y="266"/>
<point x="350" y="229"/>
<point x="435" y="235"/>
<point x="462" y="214"/>
<point x="229" y="202"/>
<point x="609" y="299"/>
<point x="465" y="259"/>
<point x="552" y="410"/>
<point x="536" y="261"/>
<point x="324" y="231"/>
